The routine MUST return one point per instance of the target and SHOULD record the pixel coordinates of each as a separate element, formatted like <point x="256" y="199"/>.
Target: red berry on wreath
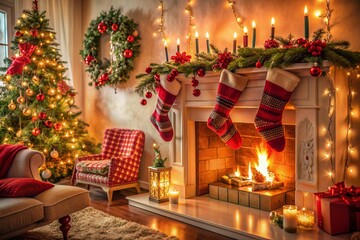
<point x="315" y="70"/>
<point x="148" y="70"/>
<point x="314" y="53"/>
<point x="18" y="34"/>
<point x="104" y="77"/>
<point x="40" y="97"/>
<point x="148" y="95"/>
<point x="323" y="45"/>
<point x="128" y="53"/>
<point x="130" y="39"/>
<point x="200" y="72"/>
<point x="34" y="32"/>
<point x="143" y="102"/>
<point x="48" y="124"/>
<point x="258" y="64"/>
<point x="170" y="78"/>
<point x="57" y="126"/>
<point x="157" y="77"/>
<point x="174" y="72"/>
<point x="89" y="59"/>
<point x="196" y="92"/>
<point x="102" y="27"/>
<point x="42" y="115"/>
<point x="114" y="27"/>
<point x="35" y="132"/>
<point x="194" y="82"/>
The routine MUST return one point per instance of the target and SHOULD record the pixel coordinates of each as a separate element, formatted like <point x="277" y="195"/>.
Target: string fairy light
<point x="161" y="21"/>
<point x="237" y="16"/>
<point x="188" y="9"/>
<point x="327" y="17"/>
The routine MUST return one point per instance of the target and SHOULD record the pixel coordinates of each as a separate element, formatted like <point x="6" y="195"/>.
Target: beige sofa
<point x="18" y="215"/>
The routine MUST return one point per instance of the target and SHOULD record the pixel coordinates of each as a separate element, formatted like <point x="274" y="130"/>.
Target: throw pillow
<point x="22" y="187"/>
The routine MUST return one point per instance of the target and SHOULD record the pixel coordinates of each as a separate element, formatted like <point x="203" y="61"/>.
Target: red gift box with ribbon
<point x="338" y="210"/>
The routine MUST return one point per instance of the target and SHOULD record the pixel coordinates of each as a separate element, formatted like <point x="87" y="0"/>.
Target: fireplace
<point x="307" y="110"/>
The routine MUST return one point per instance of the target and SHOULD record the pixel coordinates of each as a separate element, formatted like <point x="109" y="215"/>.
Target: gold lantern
<point x="159" y="181"/>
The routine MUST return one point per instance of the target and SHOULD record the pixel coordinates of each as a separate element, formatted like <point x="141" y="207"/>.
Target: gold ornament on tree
<point x="12" y="105"/>
<point x="26" y="111"/>
<point x="54" y="154"/>
<point x="19" y="133"/>
<point x="29" y="92"/>
<point x="51" y="92"/>
<point x="20" y="99"/>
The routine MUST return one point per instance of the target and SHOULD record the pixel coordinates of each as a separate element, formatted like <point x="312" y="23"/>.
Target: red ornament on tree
<point x="18" y="34"/>
<point x="200" y="72"/>
<point x="34" y="118"/>
<point x="148" y="70"/>
<point x="157" y="77"/>
<point x="148" y="95"/>
<point x="130" y="39"/>
<point x="36" y="132"/>
<point x="315" y="71"/>
<point x="89" y="59"/>
<point x="42" y="115"/>
<point x="102" y="27"/>
<point x="48" y="124"/>
<point x="57" y="126"/>
<point x="143" y="102"/>
<point x="196" y="92"/>
<point x="40" y="97"/>
<point x="128" y="53"/>
<point x="34" y="32"/>
<point x="114" y="27"/>
<point x="258" y="64"/>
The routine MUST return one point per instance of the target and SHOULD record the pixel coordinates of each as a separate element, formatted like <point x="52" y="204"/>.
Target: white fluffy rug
<point x="90" y="223"/>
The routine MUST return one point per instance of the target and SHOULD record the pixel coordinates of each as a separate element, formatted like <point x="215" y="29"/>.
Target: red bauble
<point x="258" y="64"/>
<point x="42" y="115"/>
<point x="157" y="77"/>
<point x="148" y="95"/>
<point x="315" y="71"/>
<point x="102" y="27"/>
<point x="114" y="27"/>
<point x="196" y="92"/>
<point x="143" y="102"/>
<point x="148" y="70"/>
<point x="89" y="59"/>
<point x="40" y="97"/>
<point x="128" y="53"/>
<point x="104" y="78"/>
<point x="48" y="124"/>
<point x="200" y="72"/>
<point x="271" y="43"/>
<point x="36" y="132"/>
<point x="57" y="126"/>
<point x="194" y="82"/>
<point x="170" y="78"/>
<point x="18" y="33"/>
<point x="174" y="72"/>
<point x="34" y="118"/>
<point x="34" y="32"/>
<point x="130" y="39"/>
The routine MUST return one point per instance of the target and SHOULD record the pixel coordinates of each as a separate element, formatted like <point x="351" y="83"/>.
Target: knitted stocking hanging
<point x="229" y="90"/>
<point x="278" y="88"/>
<point x="167" y="93"/>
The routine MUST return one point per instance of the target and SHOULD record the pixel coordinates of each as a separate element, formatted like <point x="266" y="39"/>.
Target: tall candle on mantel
<point x="178" y="45"/>
<point x="306" y="23"/>
<point x="234" y="42"/>
<point x="253" y="34"/>
<point x="166" y="51"/>
<point x="272" y="28"/>
<point x="197" y="42"/>
<point x="207" y="42"/>
<point x="245" y="37"/>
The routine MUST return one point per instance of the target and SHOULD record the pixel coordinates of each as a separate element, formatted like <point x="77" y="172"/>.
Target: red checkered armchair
<point x="117" y="167"/>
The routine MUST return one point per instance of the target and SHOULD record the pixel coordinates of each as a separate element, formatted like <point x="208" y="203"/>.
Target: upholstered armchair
<point x="117" y="166"/>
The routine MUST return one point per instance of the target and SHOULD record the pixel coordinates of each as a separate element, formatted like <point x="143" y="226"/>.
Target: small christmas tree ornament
<point x="54" y="154"/>
<point x="18" y="33"/>
<point x="194" y="82"/>
<point x="29" y="92"/>
<point x="258" y="64"/>
<point x="19" y="133"/>
<point x="26" y="111"/>
<point x="315" y="70"/>
<point x="39" y="52"/>
<point x="148" y="95"/>
<point x="102" y="27"/>
<point x="36" y="132"/>
<point x="89" y="59"/>
<point x="48" y="124"/>
<point x="40" y="97"/>
<point x="51" y="91"/>
<point x="135" y="33"/>
<point x="12" y="105"/>
<point x="114" y="27"/>
<point x="143" y="102"/>
<point x="46" y="174"/>
<point x="130" y="39"/>
<point x="196" y="92"/>
<point x="200" y="72"/>
<point x="58" y="126"/>
<point x="20" y="99"/>
<point x="42" y="115"/>
<point x="34" y="32"/>
<point x="128" y="53"/>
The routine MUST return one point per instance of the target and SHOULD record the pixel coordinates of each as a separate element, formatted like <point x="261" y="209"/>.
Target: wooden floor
<point x="119" y="207"/>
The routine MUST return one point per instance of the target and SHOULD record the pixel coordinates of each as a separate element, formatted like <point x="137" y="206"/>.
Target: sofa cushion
<point x="22" y="187"/>
<point x="16" y="213"/>
<point x="100" y="167"/>
<point x="61" y="201"/>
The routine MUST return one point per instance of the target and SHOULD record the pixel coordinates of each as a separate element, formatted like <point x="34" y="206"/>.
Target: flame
<point x="250" y="175"/>
<point x="263" y="162"/>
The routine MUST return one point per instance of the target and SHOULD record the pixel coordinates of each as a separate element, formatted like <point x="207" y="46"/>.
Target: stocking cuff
<point x="283" y="78"/>
<point x="171" y="87"/>
<point x="233" y="80"/>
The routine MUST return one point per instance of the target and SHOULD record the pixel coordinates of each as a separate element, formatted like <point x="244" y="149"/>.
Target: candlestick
<point x="178" y="45"/>
<point x="197" y="42"/>
<point x="290" y="218"/>
<point x="207" y="42"/>
<point x="174" y="196"/>
<point x="306" y="219"/>
<point x="253" y="34"/>
<point x="245" y="37"/>
<point x="234" y="43"/>
<point x="272" y="28"/>
<point x="306" y="23"/>
<point x="166" y="51"/>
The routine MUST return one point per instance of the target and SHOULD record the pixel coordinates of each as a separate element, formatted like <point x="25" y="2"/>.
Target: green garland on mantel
<point x="280" y="52"/>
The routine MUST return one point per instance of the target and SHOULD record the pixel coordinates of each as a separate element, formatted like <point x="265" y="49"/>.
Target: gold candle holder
<point x="306" y="219"/>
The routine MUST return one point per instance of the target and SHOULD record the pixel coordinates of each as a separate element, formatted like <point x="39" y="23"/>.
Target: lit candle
<point x="272" y="28"/>
<point x="166" y="51"/>
<point x="254" y="34"/>
<point x="197" y="42"/>
<point x="234" y="43"/>
<point x="306" y="219"/>
<point x="207" y="42"/>
<point x="290" y="218"/>
<point x="306" y="23"/>
<point x="174" y="196"/>
<point x="178" y="45"/>
<point x="245" y="37"/>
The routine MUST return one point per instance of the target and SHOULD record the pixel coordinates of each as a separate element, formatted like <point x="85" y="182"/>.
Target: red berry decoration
<point x="34" y="32"/>
<point x="143" y="102"/>
<point x="103" y="78"/>
<point x="18" y="33"/>
<point x="258" y="64"/>
<point x="196" y="92"/>
<point x="89" y="59"/>
<point x="174" y="72"/>
<point x="200" y="72"/>
<point x="102" y="27"/>
<point x="170" y="78"/>
<point x="194" y="82"/>
<point x="271" y="43"/>
<point x="130" y="39"/>
<point x="114" y="27"/>
<point x="148" y="95"/>
<point x="128" y="53"/>
<point x="48" y="124"/>
<point x="42" y="115"/>
<point x="157" y="77"/>
<point x="36" y="132"/>
<point x="40" y="97"/>
<point x="57" y="126"/>
<point x="315" y="71"/>
<point x="148" y="70"/>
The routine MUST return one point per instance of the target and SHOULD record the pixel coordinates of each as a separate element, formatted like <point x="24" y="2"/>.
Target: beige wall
<point x="105" y="109"/>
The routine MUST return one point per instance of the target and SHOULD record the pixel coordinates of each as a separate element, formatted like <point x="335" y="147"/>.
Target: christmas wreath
<point x="125" y="47"/>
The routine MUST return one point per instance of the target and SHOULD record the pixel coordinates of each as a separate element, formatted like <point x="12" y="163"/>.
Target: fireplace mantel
<point x="307" y="109"/>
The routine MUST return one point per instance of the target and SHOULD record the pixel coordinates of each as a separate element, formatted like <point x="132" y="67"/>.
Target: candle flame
<point x="196" y="34"/>
<point x="207" y="35"/>
<point x="305" y="11"/>
<point x="165" y="43"/>
<point x="245" y="30"/>
<point x="253" y="24"/>
<point x="178" y="41"/>
<point x="272" y="21"/>
<point x="235" y="35"/>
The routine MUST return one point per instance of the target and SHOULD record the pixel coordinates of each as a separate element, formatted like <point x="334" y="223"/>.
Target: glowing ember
<point x="263" y="162"/>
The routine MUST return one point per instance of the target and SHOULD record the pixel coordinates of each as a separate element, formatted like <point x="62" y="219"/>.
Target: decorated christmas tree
<point x="37" y="106"/>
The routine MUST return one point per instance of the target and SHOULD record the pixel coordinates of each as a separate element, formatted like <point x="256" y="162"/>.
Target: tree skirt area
<point x="90" y="223"/>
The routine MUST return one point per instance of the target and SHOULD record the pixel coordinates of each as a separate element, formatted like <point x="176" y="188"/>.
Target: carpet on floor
<point x="91" y="223"/>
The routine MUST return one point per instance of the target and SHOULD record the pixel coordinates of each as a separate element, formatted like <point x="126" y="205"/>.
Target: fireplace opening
<point x="215" y="161"/>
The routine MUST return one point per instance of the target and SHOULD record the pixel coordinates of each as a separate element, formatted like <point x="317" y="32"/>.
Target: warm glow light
<point x="250" y="175"/>
<point x="238" y="19"/>
<point x="235" y="35"/>
<point x="272" y="21"/>
<point x="305" y="11"/>
<point x="165" y="43"/>
<point x="253" y="24"/>
<point x="196" y="34"/>
<point x="245" y="30"/>
<point x="207" y="35"/>
<point x="178" y="41"/>
<point x="317" y="13"/>
<point x="330" y="173"/>
<point x="237" y="174"/>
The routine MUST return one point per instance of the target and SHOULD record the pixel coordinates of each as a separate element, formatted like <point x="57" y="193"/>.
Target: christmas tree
<point x="36" y="104"/>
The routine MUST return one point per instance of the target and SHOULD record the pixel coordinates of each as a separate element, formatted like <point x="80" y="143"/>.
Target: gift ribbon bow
<point x="17" y="65"/>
